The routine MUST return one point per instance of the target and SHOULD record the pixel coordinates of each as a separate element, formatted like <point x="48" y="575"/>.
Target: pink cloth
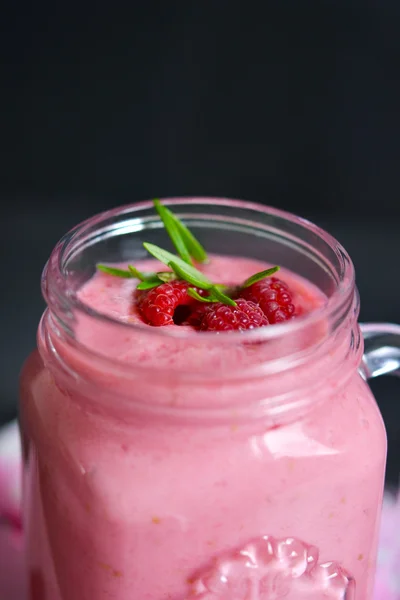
<point x="11" y="567"/>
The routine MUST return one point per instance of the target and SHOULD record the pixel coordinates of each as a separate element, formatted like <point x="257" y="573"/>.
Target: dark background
<point x="295" y="106"/>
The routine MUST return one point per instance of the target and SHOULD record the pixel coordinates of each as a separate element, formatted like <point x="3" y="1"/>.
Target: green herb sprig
<point x="188" y="249"/>
<point x="186" y="245"/>
<point x="259" y="276"/>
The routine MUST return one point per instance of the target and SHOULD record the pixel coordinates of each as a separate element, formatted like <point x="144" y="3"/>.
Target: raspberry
<point x="274" y="298"/>
<point x="197" y="313"/>
<point x="221" y="317"/>
<point x="161" y="305"/>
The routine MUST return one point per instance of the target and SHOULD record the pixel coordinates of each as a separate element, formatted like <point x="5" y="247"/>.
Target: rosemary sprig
<point x="259" y="276"/>
<point x="188" y="248"/>
<point x="186" y="245"/>
<point x="125" y="273"/>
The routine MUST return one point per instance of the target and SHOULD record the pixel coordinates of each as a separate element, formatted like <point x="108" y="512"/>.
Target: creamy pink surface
<point x="125" y="505"/>
<point x="114" y="297"/>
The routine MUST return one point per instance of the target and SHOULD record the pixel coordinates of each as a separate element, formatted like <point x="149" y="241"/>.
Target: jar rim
<point x="54" y="275"/>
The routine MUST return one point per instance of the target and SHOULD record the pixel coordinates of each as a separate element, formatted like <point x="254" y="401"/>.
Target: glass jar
<point x="209" y="482"/>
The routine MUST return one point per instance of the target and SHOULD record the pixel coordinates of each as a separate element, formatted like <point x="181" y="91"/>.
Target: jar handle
<point x="381" y="350"/>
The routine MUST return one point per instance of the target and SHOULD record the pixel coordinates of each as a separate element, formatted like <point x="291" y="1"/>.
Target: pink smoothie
<point x="154" y="483"/>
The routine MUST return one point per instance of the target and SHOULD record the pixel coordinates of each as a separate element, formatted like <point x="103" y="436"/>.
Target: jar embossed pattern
<point x="169" y="464"/>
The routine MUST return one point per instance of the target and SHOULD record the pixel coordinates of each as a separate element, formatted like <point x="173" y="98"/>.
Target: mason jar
<point x="204" y="479"/>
